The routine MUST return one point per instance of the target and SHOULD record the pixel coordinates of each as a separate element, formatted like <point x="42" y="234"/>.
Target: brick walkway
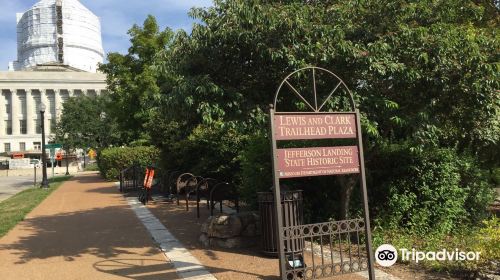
<point x="84" y="230"/>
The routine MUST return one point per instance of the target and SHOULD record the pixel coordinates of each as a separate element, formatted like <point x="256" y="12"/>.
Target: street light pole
<point x="45" y="182"/>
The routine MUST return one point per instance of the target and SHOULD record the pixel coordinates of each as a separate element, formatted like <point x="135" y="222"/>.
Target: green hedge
<point x="208" y="151"/>
<point x="112" y="160"/>
<point x="431" y="191"/>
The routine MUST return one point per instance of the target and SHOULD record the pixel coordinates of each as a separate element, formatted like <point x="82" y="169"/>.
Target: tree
<point x="425" y="73"/>
<point x="132" y="82"/>
<point x="85" y="124"/>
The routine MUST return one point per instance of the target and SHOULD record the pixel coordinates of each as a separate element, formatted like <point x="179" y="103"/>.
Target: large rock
<point x="229" y="243"/>
<point x="204" y="240"/>
<point x="248" y="218"/>
<point x="250" y="231"/>
<point x="204" y="226"/>
<point x="231" y="230"/>
<point x="224" y="226"/>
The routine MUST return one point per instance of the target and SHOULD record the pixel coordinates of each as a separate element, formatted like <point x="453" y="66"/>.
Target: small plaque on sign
<point x="320" y="161"/>
<point x="314" y="126"/>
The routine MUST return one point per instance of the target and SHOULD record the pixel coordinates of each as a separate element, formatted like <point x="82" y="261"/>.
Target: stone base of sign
<point x="236" y="230"/>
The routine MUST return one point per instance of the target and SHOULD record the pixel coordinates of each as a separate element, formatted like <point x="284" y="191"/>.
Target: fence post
<point x="136" y="170"/>
<point x="121" y="180"/>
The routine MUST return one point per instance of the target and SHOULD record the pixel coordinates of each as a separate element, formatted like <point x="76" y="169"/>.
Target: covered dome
<point x="59" y="31"/>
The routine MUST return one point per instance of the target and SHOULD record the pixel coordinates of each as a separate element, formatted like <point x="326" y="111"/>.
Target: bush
<point x="487" y="241"/>
<point x="256" y="170"/>
<point x="112" y="160"/>
<point x="91" y="167"/>
<point x="484" y="238"/>
<point x="208" y="151"/>
<point x="431" y="191"/>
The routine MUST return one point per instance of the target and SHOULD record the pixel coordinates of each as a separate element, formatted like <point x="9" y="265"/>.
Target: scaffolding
<point x="58" y="31"/>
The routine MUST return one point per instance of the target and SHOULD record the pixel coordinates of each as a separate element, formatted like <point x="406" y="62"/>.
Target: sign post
<point x="52" y="153"/>
<point x="320" y="161"/>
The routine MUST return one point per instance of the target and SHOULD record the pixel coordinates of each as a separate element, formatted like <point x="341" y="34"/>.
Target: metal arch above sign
<point x="314" y="126"/>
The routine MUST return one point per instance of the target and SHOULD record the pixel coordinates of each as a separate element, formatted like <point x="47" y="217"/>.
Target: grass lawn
<point x="14" y="209"/>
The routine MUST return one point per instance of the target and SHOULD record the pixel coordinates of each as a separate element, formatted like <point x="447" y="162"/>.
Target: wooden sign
<point x="318" y="161"/>
<point x="314" y="126"/>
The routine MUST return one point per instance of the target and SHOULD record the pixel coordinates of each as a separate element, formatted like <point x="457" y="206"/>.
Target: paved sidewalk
<point x="84" y="230"/>
<point x="15" y="184"/>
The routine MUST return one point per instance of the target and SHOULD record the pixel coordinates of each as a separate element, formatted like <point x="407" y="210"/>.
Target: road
<point x="9" y="186"/>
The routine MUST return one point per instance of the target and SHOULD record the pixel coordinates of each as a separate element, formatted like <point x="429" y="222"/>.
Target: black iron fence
<point x="330" y="249"/>
<point x="130" y="179"/>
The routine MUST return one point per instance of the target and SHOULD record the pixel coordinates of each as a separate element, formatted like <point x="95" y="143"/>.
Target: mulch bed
<point x="224" y="264"/>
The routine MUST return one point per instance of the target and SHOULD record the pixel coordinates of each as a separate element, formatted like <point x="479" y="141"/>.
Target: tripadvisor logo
<point x="387" y="255"/>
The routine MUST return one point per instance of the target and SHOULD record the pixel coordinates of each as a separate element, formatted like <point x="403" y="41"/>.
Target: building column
<point x="58" y="103"/>
<point x="30" y="110"/>
<point x="45" y="100"/>
<point x="15" y="111"/>
<point x="3" y="114"/>
<point x="71" y="93"/>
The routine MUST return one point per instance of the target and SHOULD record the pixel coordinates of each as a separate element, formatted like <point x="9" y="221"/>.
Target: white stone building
<point x="59" y="48"/>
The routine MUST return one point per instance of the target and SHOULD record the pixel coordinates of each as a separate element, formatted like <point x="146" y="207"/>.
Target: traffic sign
<point x="53" y="146"/>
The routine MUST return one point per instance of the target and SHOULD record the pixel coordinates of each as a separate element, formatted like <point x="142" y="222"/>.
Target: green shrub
<point x="208" y="151"/>
<point x="431" y="191"/>
<point x="484" y="238"/>
<point x="112" y="160"/>
<point x="256" y="169"/>
<point x="487" y="241"/>
<point x="91" y="167"/>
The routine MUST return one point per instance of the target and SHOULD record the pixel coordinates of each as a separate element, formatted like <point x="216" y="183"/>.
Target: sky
<point x="117" y="16"/>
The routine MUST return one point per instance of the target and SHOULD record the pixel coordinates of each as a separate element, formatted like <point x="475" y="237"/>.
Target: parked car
<point x="4" y="164"/>
<point x="35" y="163"/>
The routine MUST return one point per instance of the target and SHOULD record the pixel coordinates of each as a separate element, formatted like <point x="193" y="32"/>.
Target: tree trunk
<point x="347" y="184"/>
<point x="67" y="162"/>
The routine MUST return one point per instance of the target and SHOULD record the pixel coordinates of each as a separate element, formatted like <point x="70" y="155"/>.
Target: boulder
<point x="224" y="226"/>
<point x="204" y="240"/>
<point x="229" y="243"/>
<point x="229" y="231"/>
<point x="250" y="231"/>
<point x="248" y="218"/>
<point x="204" y="226"/>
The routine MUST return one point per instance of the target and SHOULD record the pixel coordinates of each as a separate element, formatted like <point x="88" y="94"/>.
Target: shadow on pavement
<point x="94" y="232"/>
<point x="141" y="269"/>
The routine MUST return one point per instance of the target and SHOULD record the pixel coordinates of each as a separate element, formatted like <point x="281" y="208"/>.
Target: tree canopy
<point x="85" y="124"/>
<point x="424" y="73"/>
